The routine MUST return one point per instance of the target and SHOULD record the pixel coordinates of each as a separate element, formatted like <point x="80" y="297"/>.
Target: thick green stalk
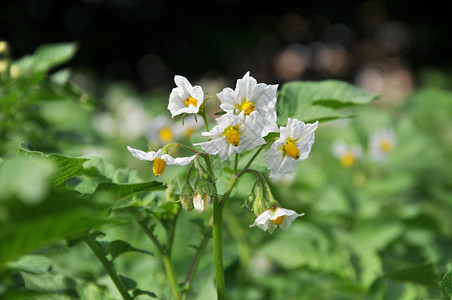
<point x="100" y="254"/>
<point x="171" y="276"/>
<point x="218" y="248"/>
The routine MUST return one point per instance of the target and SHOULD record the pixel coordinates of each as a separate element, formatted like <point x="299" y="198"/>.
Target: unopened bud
<point x="186" y="197"/>
<point x="259" y="203"/>
<point x="249" y="200"/>
<point x="201" y="199"/>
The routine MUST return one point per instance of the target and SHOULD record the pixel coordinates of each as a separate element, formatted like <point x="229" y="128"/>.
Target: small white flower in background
<point x="132" y="119"/>
<point x="189" y="127"/>
<point x="162" y="130"/>
<point x="275" y="217"/>
<point x="381" y="144"/>
<point x="233" y="134"/>
<point x="256" y="100"/>
<point x="294" y="145"/>
<point x="160" y="159"/>
<point x="185" y="98"/>
<point x="347" y="154"/>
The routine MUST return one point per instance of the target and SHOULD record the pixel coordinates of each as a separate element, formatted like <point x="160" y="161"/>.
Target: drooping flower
<point x="160" y="159"/>
<point x="185" y="98"/>
<point x="347" y="154"/>
<point x="276" y="217"/>
<point x="255" y="100"/>
<point x="233" y="134"/>
<point x="381" y="144"/>
<point x="294" y="145"/>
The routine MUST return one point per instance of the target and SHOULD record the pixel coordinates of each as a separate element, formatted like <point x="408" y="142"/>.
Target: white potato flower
<point x="185" y="98"/>
<point x="275" y="217"/>
<point x="347" y="154"/>
<point x="233" y="134"/>
<point x="256" y="100"/>
<point x="162" y="130"/>
<point x="160" y="159"/>
<point x="294" y="145"/>
<point x="381" y="144"/>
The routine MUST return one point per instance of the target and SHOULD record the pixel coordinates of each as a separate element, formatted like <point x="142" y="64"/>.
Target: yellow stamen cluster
<point x="192" y="101"/>
<point x="247" y="107"/>
<point x="386" y="146"/>
<point x="348" y="159"/>
<point x="278" y="220"/>
<point x="292" y="150"/>
<point x="233" y="136"/>
<point x="166" y="135"/>
<point x="158" y="166"/>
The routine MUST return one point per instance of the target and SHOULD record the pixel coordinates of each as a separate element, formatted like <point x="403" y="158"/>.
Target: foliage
<point x="380" y="230"/>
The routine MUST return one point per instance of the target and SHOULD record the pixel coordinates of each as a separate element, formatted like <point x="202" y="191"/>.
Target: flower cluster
<point x="248" y="116"/>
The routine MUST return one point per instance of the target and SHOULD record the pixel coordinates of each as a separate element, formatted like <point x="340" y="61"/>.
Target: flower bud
<point x="249" y="200"/>
<point x="186" y="197"/>
<point x="259" y="203"/>
<point x="201" y="199"/>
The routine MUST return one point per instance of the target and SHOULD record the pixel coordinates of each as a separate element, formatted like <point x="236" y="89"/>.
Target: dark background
<point x="147" y="42"/>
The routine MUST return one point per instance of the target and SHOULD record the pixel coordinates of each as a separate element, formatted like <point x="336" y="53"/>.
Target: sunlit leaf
<point x="311" y="101"/>
<point x="125" y="191"/>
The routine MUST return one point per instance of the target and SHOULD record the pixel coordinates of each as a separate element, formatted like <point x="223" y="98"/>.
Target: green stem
<point x="165" y="254"/>
<point x="100" y="254"/>
<point x="171" y="276"/>
<point x="236" y="163"/>
<point x="218" y="248"/>
<point x="194" y="265"/>
<point x="202" y="112"/>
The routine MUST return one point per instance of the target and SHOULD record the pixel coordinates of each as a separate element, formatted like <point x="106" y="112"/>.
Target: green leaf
<point x="51" y="55"/>
<point x="119" y="247"/>
<point x="66" y="167"/>
<point x="424" y="274"/>
<point x="139" y="292"/>
<point x="126" y="191"/>
<point x="59" y="215"/>
<point x="35" y="264"/>
<point x="446" y="286"/>
<point x="311" y="101"/>
<point x="26" y="179"/>
<point x="129" y="284"/>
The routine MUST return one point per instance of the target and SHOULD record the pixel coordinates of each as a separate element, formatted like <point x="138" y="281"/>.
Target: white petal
<point x="228" y="100"/>
<point x="183" y="161"/>
<point x="218" y="146"/>
<point x="141" y="155"/>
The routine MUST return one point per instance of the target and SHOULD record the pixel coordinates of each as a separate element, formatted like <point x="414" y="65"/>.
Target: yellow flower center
<point x="348" y="159"/>
<point x="159" y="166"/>
<point x="189" y="132"/>
<point x="192" y="101"/>
<point x="233" y="136"/>
<point x="386" y="146"/>
<point x="291" y="150"/>
<point x="166" y="135"/>
<point x="248" y="107"/>
<point x="278" y="220"/>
